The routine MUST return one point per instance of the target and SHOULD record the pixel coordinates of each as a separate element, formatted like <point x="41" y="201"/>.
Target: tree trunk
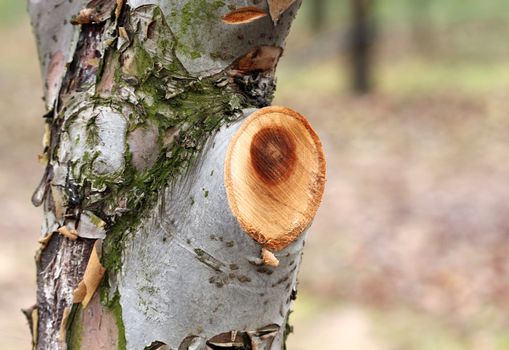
<point x="317" y="17"/>
<point x="422" y="27"/>
<point x="175" y="202"/>
<point x="362" y="39"/>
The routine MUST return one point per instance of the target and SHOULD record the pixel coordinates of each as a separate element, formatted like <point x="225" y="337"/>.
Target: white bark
<point x="189" y="270"/>
<point x="56" y="40"/>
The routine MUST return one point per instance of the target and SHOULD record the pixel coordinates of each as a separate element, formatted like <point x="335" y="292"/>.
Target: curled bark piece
<point x="91" y="279"/>
<point x="269" y="258"/>
<point x="263" y="338"/>
<point x="258" y="59"/>
<point x="192" y="343"/>
<point x="42" y="189"/>
<point x="63" y="324"/>
<point x="157" y="345"/>
<point x="32" y="316"/>
<point x="244" y="15"/>
<point x="45" y="240"/>
<point x="277" y="7"/>
<point x="91" y="226"/>
<point x="66" y="232"/>
<point x="56" y="68"/>
<point x="260" y="339"/>
<point x="275" y="176"/>
<point x="228" y="340"/>
<point x="96" y="11"/>
<point x="118" y="8"/>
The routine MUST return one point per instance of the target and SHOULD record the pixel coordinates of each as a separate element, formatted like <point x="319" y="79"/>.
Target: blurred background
<point x="410" y="249"/>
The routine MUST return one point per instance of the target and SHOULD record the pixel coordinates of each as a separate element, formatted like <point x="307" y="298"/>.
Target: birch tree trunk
<point x="175" y="201"/>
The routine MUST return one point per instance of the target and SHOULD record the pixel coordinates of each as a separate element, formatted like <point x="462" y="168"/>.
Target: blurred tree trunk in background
<point x="422" y="26"/>
<point x="361" y="41"/>
<point x="318" y="17"/>
<point x="141" y="247"/>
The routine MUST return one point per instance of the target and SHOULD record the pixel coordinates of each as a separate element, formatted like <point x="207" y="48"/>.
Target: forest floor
<point x="409" y="249"/>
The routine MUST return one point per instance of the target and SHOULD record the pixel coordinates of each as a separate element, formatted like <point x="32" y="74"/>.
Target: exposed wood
<point x="275" y="176"/>
<point x="95" y="327"/>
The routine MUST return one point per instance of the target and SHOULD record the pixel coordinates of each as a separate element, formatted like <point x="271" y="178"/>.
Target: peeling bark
<point x="143" y="100"/>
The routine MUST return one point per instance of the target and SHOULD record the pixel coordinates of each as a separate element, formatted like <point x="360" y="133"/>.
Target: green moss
<point x="142" y="63"/>
<point x="74" y="328"/>
<point x="97" y="221"/>
<point x="193" y="15"/>
<point x="198" y="11"/>
<point x="116" y="308"/>
<point x="92" y="132"/>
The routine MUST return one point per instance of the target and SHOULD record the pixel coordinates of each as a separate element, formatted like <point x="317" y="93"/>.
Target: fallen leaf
<point x="244" y="15"/>
<point x="277" y="7"/>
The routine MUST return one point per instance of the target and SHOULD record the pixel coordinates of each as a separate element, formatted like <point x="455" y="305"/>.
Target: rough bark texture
<point x="143" y="98"/>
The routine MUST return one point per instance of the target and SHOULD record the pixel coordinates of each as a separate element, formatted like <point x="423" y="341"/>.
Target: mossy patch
<point x="74" y="329"/>
<point x="193" y="15"/>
